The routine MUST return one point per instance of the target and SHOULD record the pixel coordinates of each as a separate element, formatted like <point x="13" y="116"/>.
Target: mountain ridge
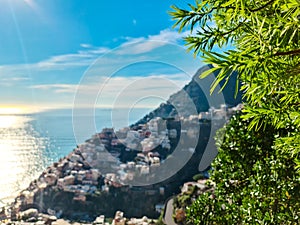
<point x="197" y="90"/>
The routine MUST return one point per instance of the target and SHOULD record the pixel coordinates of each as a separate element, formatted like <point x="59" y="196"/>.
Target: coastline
<point x="76" y="181"/>
<point x="133" y="169"/>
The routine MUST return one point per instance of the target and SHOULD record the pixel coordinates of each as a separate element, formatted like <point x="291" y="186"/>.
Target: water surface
<point x="30" y="143"/>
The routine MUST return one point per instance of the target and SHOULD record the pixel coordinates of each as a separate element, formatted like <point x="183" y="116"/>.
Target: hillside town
<point x="110" y="160"/>
<point x="33" y="217"/>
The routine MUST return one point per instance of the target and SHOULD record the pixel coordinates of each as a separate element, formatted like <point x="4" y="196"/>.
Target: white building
<point x="145" y="170"/>
<point x="50" y="178"/>
<point x="69" y="180"/>
<point x="119" y="218"/>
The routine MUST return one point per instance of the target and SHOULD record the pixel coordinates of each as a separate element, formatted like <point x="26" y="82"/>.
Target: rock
<point x="145" y="219"/>
<point x="202" y="181"/>
<point x="40" y="217"/>
<point x="60" y="222"/>
<point x="31" y="219"/>
<point x="76" y="223"/>
<point x="51" y="219"/>
<point x="45" y="217"/>
<point x="29" y="213"/>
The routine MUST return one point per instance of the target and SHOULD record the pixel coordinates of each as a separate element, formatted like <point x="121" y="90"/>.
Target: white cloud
<point x="80" y="59"/>
<point x="125" y="92"/>
<point x="131" y="46"/>
<point x="84" y="45"/>
<point x="130" y="84"/>
<point x="64" y="61"/>
<point x="86" y="56"/>
<point x="6" y="80"/>
<point x="118" y="91"/>
<point x="15" y="79"/>
<point x="99" y="50"/>
<point x="166" y="35"/>
<point x="147" y="44"/>
<point x="57" y="88"/>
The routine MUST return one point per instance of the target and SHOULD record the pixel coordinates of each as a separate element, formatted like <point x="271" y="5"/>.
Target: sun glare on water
<point x="17" y="110"/>
<point x="10" y="111"/>
<point x="21" y="156"/>
<point x="8" y="121"/>
<point x="10" y="116"/>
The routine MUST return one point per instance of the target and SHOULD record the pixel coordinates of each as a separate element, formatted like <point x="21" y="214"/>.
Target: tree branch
<point x="234" y="29"/>
<point x="263" y="6"/>
<point x="293" y="52"/>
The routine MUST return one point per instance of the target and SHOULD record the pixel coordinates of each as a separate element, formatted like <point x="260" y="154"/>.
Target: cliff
<point x="198" y="91"/>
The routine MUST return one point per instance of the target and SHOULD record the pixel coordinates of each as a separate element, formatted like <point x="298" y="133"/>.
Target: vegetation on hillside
<point x="256" y="183"/>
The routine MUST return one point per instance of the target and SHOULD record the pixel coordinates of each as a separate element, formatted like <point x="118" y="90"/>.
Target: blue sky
<point x="53" y="52"/>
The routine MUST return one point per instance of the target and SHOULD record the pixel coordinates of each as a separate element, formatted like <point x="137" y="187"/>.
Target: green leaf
<point x="208" y="72"/>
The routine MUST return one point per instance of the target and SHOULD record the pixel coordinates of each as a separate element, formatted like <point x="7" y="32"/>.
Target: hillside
<point x="198" y="91"/>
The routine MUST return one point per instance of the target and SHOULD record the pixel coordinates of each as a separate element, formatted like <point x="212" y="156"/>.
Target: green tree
<point x="256" y="183"/>
<point x="264" y="37"/>
<point x="261" y="41"/>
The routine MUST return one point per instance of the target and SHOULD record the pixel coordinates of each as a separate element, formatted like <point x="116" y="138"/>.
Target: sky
<point x="57" y="53"/>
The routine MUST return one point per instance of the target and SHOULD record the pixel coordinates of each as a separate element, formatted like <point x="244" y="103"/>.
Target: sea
<point x="29" y="143"/>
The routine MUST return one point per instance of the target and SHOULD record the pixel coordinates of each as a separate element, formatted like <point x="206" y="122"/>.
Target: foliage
<point x="257" y="169"/>
<point x="263" y="38"/>
<point x="256" y="182"/>
<point x="198" y="176"/>
<point x="160" y="219"/>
